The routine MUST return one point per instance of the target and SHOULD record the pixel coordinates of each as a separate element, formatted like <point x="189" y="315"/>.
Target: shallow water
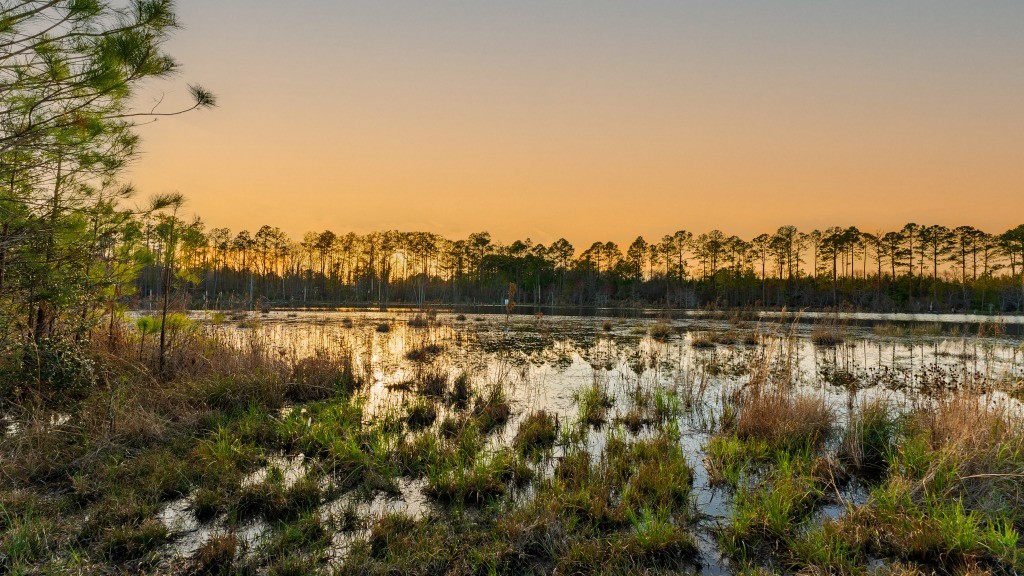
<point x="542" y="362"/>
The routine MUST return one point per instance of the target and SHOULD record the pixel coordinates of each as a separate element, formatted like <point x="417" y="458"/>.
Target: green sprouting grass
<point x="774" y="507"/>
<point x="25" y="538"/>
<point x="482" y="480"/>
<point x="943" y="484"/>
<point x="593" y="403"/>
<point x="537" y="434"/>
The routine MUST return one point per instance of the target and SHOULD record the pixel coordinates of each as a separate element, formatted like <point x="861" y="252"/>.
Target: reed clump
<point x="322" y="376"/>
<point x="419" y="320"/>
<point x="422" y="413"/>
<point x="537" y="433"/>
<point x="424" y="353"/>
<point x="661" y="331"/>
<point x="593" y="403"/>
<point x="827" y="335"/>
<point x="216" y="555"/>
<point x="784" y="419"/>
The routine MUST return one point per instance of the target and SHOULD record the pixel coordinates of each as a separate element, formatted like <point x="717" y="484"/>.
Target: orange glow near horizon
<point x="541" y="121"/>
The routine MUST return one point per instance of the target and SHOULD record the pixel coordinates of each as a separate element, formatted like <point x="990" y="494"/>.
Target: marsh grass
<point x="661" y="331"/>
<point x="829" y="331"/>
<point x="593" y="403"/>
<point x="492" y="409"/>
<point x="217" y="555"/>
<point x="273" y="498"/>
<point x="869" y="440"/>
<point x="940" y="474"/>
<point x="537" y="433"/>
<point x="478" y="481"/>
<point x="432" y="383"/>
<point x="702" y="341"/>
<point x="419" y="320"/>
<point x="784" y="419"/>
<point x="825" y="335"/>
<point x="460" y="392"/>
<point x="321" y="376"/>
<point x="424" y="353"/>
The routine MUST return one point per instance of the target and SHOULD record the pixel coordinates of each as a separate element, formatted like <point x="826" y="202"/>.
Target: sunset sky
<point x="595" y="120"/>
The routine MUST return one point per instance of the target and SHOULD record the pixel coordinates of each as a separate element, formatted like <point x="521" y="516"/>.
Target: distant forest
<point x="916" y="268"/>
<point x="77" y="249"/>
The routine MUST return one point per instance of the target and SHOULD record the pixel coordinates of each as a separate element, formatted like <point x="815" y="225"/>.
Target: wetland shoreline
<point x="428" y="442"/>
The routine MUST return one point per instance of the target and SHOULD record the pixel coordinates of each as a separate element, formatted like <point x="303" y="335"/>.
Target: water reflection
<point x="544" y="363"/>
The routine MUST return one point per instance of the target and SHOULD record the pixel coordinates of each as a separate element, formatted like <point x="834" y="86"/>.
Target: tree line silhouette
<point x="76" y="251"/>
<point x="918" y="267"/>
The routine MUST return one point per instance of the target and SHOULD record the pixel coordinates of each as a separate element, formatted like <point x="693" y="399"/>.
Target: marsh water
<point x="543" y="362"/>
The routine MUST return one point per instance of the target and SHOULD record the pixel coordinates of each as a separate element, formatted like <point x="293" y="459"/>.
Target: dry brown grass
<point x="827" y="335"/>
<point x="783" y="418"/>
<point x="321" y="376"/>
<point x="133" y="406"/>
<point x="419" y="321"/>
<point x="661" y="331"/>
<point x="972" y="431"/>
<point x="829" y="331"/>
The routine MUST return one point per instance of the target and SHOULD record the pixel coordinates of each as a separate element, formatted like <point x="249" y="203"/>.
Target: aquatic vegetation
<point x="537" y="433"/>
<point x="702" y="341"/>
<point x="491" y="409"/>
<point x="593" y="402"/>
<point x="784" y="419"/>
<point x="495" y="461"/>
<point x="321" y="376"/>
<point x="483" y="479"/>
<point x="216" y="555"/>
<point x="419" y="321"/>
<point x="827" y="335"/>
<point x="460" y="391"/>
<point x="773" y="507"/>
<point x="432" y="383"/>
<point x="273" y="498"/>
<point x="424" y="353"/>
<point x="661" y="332"/>
<point x="869" y="440"/>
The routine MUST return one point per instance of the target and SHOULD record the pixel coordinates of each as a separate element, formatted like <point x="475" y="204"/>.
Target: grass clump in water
<point x="433" y="384"/>
<point x="829" y="332"/>
<point x="321" y="376"/>
<point x="424" y="353"/>
<point x="274" y="498"/>
<point x="593" y="403"/>
<point x="953" y="497"/>
<point x="133" y="541"/>
<point x="537" y="433"/>
<point x="491" y="409"/>
<point x="419" y="321"/>
<point x="869" y="440"/>
<point x="484" y="479"/>
<point x="784" y="419"/>
<point x="661" y="332"/>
